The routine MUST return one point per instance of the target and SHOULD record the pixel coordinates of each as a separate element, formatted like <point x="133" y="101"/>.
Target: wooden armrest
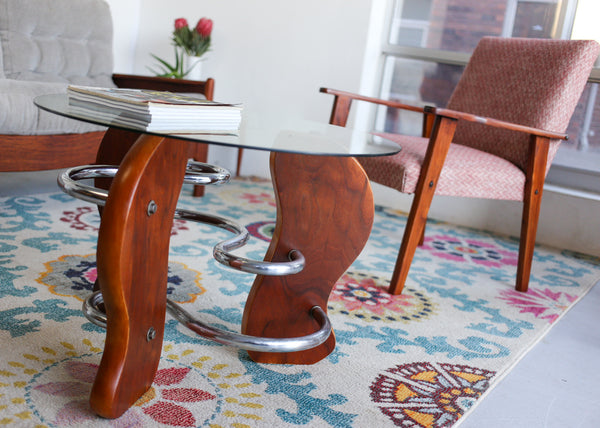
<point x="352" y="96"/>
<point x="343" y="100"/>
<point x="205" y="87"/>
<point x="495" y="123"/>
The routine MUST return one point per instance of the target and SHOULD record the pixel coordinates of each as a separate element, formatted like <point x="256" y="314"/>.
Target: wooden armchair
<point x="76" y="38"/>
<point x="495" y="140"/>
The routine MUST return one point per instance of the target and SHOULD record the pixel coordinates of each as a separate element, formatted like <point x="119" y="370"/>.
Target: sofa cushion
<point x="56" y="41"/>
<point x="19" y="115"/>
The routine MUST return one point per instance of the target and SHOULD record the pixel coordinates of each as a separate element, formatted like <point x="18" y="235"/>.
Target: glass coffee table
<point x="324" y="218"/>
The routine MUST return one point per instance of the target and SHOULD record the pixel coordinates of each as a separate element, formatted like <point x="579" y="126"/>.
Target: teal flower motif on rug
<point x="463" y="250"/>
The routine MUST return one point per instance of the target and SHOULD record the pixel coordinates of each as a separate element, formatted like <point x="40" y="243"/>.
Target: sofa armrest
<point x="20" y="116"/>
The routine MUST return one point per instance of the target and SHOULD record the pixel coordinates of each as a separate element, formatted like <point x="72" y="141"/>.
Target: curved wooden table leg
<point x="325" y="210"/>
<point x="132" y="257"/>
<point x="114" y="146"/>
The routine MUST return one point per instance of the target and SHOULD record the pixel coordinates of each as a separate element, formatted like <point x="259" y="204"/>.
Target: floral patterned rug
<point x="421" y="359"/>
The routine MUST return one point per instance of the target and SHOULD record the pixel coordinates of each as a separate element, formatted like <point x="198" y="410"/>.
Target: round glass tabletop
<point x="299" y="136"/>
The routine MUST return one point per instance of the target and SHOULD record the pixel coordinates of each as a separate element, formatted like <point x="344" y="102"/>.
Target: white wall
<point x="126" y="19"/>
<point x="273" y="55"/>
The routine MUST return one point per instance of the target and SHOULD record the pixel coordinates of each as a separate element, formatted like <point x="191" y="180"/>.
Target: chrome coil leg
<point x="250" y="343"/>
<point x="196" y="173"/>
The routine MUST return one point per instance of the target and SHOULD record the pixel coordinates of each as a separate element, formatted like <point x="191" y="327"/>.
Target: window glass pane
<point x="415" y="82"/>
<point x="457" y="25"/>
<point x="584" y="128"/>
<point x="534" y="19"/>
<point x="411" y="36"/>
<point x="416" y="9"/>
<point x="577" y="163"/>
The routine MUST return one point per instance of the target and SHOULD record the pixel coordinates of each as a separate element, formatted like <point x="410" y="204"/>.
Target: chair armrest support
<point x="496" y="123"/>
<point x="205" y="87"/>
<point x="343" y="101"/>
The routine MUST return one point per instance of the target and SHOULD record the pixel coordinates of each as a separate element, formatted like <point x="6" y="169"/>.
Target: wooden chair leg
<point x="534" y="187"/>
<point x="413" y="234"/>
<point x="439" y="143"/>
<point x="239" y="162"/>
<point x="199" y="152"/>
<point x="527" y="243"/>
<point x="422" y="239"/>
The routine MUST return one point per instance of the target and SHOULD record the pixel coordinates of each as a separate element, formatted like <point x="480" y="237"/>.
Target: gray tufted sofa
<point x="45" y="45"/>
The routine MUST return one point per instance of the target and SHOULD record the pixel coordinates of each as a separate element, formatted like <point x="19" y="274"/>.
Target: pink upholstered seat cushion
<point x="467" y="172"/>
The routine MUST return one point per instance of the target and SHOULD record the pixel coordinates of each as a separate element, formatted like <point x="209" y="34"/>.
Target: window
<point x="410" y="26"/>
<point x="429" y="42"/>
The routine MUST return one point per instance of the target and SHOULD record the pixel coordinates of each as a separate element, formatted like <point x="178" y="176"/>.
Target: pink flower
<point x="543" y="304"/>
<point x="204" y="27"/>
<point x="180" y="23"/>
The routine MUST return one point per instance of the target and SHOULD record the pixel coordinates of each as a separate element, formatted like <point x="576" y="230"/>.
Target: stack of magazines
<point x="155" y="111"/>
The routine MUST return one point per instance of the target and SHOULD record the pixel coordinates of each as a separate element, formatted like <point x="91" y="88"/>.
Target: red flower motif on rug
<point x="427" y="394"/>
<point x="162" y="402"/>
<point x="543" y="304"/>
<point x="262" y="230"/>
<point x="259" y="198"/>
<point x="78" y="219"/>
<point x="87" y="218"/>
<point x="169" y="412"/>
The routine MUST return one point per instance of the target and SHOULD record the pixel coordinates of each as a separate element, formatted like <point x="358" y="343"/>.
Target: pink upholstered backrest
<point x="532" y="82"/>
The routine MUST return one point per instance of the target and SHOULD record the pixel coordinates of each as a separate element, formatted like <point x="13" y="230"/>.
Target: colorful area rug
<point x="421" y="359"/>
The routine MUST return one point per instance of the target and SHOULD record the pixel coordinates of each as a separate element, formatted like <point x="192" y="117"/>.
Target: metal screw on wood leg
<point x="151" y="334"/>
<point x="152" y="207"/>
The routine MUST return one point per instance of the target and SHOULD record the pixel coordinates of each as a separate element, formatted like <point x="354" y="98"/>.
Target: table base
<point x="324" y="210"/>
